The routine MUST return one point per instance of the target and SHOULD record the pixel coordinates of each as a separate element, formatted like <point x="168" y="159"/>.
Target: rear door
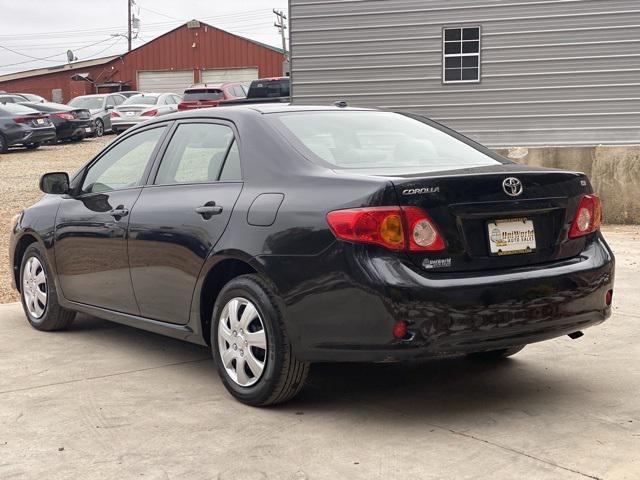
<point x="180" y="216"/>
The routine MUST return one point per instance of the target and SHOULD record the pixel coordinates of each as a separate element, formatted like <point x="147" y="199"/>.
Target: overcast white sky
<point x="46" y="29"/>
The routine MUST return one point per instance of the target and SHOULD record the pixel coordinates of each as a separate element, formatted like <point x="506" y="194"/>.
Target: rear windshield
<point x="141" y="100"/>
<point x="269" y="88"/>
<point x="91" y="103"/>
<point x="388" y="141"/>
<point x="199" y="95"/>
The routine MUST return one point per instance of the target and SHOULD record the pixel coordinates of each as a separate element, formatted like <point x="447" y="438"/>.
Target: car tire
<point x="282" y="375"/>
<point x="494" y="355"/>
<point x="99" y="130"/>
<point x="42" y="309"/>
<point x="32" y="146"/>
<point x="4" y="147"/>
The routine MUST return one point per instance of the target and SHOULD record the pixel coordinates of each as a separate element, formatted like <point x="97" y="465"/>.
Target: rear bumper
<point x="32" y="135"/>
<point x="351" y="317"/>
<point x="74" y="130"/>
<point x="122" y="124"/>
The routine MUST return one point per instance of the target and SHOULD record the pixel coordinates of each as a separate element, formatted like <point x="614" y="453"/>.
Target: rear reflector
<point x="400" y="329"/>
<point x="588" y="216"/>
<point x="608" y="298"/>
<point x="395" y="228"/>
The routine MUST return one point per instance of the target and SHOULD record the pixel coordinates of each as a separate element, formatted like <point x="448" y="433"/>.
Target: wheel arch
<point x="220" y="272"/>
<point x="21" y="246"/>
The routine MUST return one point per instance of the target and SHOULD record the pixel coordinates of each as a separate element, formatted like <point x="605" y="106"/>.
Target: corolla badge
<point x="512" y="186"/>
<point x="419" y="191"/>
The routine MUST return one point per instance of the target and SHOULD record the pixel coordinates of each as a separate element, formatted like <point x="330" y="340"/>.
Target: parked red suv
<point x="205" y="95"/>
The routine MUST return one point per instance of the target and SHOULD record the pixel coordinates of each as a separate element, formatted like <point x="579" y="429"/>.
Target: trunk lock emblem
<point x="512" y="186"/>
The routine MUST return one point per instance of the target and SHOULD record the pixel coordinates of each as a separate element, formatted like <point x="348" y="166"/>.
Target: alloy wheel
<point x="99" y="128"/>
<point x="242" y="341"/>
<point x="34" y="287"/>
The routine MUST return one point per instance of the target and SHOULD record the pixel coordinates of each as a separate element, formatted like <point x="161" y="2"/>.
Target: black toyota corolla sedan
<point x="283" y="235"/>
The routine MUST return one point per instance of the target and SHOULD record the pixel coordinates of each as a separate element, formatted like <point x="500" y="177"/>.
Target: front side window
<point x="195" y="154"/>
<point x="461" y="54"/>
<point x="370" y="140"/>
<point x="123" y="165"/>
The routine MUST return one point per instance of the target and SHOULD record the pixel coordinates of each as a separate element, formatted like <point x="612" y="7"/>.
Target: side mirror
<point x="109" y="107"/>
<point x="56" y="183"/>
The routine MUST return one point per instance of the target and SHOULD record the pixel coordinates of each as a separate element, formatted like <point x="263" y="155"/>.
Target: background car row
<point x="29" y="120"/>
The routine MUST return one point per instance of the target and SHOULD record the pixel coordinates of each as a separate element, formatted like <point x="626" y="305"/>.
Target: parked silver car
<point x="100" y="106"/>
<point x="144" y="106"/>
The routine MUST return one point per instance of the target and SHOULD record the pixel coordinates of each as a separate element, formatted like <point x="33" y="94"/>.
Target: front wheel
<point x="38" y="293"/>
<point x="493" y="355"/>
<point x="250" y="344"/>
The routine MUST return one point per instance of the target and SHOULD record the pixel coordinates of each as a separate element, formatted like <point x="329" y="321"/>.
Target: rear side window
<point x="269" y="88"/>
<point x="195" y="154"/>
<point x="231" y="171"/>
<point x="377" y="140"/>
<point x="203" y="94"/>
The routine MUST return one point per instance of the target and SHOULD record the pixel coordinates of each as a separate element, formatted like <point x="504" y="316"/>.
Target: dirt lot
<point x="20" y="171"/>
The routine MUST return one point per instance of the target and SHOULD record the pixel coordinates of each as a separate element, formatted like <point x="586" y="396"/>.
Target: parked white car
<point x="141" y="107"/>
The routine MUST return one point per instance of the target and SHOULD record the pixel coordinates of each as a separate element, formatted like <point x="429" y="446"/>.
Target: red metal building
<point x="194" y="52"/>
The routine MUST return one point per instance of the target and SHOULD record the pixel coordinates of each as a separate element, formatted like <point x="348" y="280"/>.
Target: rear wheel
<point x="99" y="131"/>
<point x="493" y="355"/>
<point x="250" y="345"/>
<point x="38" y="293"/>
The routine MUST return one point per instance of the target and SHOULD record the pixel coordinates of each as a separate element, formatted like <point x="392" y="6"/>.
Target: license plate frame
<point x="511" y="236"/>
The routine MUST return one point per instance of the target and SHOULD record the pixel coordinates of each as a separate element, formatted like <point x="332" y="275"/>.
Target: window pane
<point x="469" y="74"/>
<point x="470" y="47"/>
<point x="375" y="140"/>
<point x="470" y="61"/>
<point x="452" y="34"/>
<point x="452" y="62"/>
<point x="470" y="33"/>
<point x="123" y="165"/>
<point x="195" y="154"/>
<point x="231" y="171"/>
<point x="451" y="48"/>
<point x="452" y="74"/>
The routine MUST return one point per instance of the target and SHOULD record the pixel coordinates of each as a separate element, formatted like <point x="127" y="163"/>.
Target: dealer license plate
<point x="130" y="114"/>
<point x="87" y="129"/>
<point x="40" y="121"/>
<point x="510" y="237"/>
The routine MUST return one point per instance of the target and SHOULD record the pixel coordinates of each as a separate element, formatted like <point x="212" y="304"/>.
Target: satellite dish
<point x="70" y="56"/>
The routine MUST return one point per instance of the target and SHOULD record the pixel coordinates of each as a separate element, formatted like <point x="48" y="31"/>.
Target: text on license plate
<point x="509" y="237"/>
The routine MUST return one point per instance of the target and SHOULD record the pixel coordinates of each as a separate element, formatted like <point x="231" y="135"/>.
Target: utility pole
<point x="281" y="25"/>
<point x="129" y="23"/>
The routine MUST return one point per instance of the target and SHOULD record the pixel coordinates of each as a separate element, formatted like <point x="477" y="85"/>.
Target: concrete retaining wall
<point x="614" y="172"/>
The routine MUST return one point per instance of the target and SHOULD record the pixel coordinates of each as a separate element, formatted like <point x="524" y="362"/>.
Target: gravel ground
<point x="20" y="172"/>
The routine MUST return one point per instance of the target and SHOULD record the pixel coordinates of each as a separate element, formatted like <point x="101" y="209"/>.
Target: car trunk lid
<point x="487" y="224"/>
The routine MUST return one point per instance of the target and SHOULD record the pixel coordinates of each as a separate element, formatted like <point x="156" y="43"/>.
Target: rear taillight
<point x="588" y="216"/>
<point x="150" y="113"/>
<point x="64" y="116"/>
<point x="114" y="114"/>
<point x="395" y="228"/>
<point x="182" y="106"/>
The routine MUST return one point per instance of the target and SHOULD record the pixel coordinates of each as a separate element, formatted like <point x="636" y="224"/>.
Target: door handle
<point x="208" y="210"/>
<point x="119" y="212"/>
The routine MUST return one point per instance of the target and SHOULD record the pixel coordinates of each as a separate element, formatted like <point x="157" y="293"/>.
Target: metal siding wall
<point x="554" y="72"/>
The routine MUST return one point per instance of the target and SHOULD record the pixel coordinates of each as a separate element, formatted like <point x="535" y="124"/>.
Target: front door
<point x="91" y="225"/>
<point x="179" y="218"/>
